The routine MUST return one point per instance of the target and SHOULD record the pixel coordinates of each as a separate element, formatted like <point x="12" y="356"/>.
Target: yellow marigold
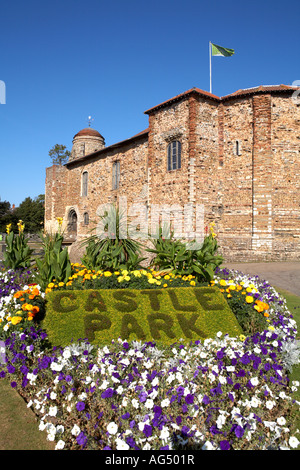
<point x="51" y="285"/>
<point x="192" y="283"/>
<point x="249" y="299"/>
<point x="223" y="282"/>
<point x="167" y="277"/>
<point x="107" y="273"/>
<point x="232" y="287"/>
<point x="136" y="273"/>
<point x="165" y="285"/>
<point x="61" y="284"/>
<point x="127" y="278"/>
<point x="229" y="295"/>
<point x="258" y="308"/>
<point x="238" y="287"/>
<point x="151" y="280"/>
<point x="16" y="320"/>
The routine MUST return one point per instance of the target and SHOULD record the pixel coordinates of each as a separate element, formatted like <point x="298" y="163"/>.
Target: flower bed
<point x="222" y="393"/>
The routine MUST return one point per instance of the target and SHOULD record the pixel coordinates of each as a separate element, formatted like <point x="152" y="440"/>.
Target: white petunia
<point x="293" y="442"/>
<point x="112" y="428"/>
<point x="75" y="430"/>
<point x="60" y="445"/>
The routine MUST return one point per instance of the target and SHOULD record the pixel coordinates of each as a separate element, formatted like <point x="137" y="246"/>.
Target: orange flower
<point x="35" y="309"/>
<point x="18" y="294"/>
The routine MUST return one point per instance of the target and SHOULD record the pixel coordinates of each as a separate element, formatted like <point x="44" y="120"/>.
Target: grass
<point x="19" y="425"/>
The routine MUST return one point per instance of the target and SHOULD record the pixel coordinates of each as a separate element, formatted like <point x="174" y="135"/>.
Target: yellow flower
<point x="51" y="285"/>
<point x="232" y="287"/>
<point x="223" y="282"/>
<point x="107" y="273"/>
<point x="151" y="280"/>
<point x="249" y="299"/>
<point x="242" y="337"/>
<point x="8" y="227"/>
<point x="192" y="283"/>
<point x="127" y="278"/>
<point x="229" y="296"/>
<point x="59" y="220"/>
<point x="165" y="285"/>
<point x="61" y="284"/>
<point x="166" y="277"/>
<point x="16" y="320"/>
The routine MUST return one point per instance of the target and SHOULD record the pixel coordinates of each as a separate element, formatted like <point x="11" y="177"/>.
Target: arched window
<point x="84" y="183"/>
<point x="174" y="155"/>
<point x="86" y="219"/>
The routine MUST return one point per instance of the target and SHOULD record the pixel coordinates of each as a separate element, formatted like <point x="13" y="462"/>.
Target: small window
<point x="116" y="175"/>
<point x="237" y="148"/>
<point x="174" y="155"/>
<point x="84" y="183"/>
<point x="86" y="219"/>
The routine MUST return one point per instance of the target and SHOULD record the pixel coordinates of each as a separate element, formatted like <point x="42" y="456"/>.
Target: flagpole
<point x="210" y="82"/>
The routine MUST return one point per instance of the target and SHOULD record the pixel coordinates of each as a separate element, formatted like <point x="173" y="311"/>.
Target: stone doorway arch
<point x="72" y="224"/>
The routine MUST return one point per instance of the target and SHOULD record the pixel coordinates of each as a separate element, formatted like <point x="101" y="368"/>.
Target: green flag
<point x="221" y="51"/>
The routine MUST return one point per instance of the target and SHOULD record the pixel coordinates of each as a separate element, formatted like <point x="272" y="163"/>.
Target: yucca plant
<point x="109" y="250"/>
<point x="172" y="255"/>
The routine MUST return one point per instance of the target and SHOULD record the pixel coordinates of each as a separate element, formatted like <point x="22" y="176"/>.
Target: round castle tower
<point x="86" y="141"/>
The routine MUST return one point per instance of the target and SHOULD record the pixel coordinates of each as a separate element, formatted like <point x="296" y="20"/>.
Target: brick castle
<point x="237" y="155"/>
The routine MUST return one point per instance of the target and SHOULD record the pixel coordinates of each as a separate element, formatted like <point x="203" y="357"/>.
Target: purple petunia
<point x="189" y="399"/>
<point x="224" y="445"/>
<point x="108" y="393"/>
<point x="80" y="406"/>
<point x="147" y="430"/>
<point x="81" y="439"/>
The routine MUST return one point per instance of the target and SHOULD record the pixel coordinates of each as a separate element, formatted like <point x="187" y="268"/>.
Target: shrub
<point x="55" y="263"/>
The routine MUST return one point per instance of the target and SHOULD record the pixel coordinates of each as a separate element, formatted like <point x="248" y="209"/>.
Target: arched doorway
<point x="72" y="224"/>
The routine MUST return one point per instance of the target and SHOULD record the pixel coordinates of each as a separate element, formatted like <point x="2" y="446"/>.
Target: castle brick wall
<point x="239" y="159"/>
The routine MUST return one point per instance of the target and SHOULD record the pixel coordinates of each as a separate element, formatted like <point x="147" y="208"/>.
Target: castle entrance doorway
<point x="72" y="224"/>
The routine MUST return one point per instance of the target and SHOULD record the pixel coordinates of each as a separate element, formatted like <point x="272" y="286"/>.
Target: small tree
<point x="59" y="154"/>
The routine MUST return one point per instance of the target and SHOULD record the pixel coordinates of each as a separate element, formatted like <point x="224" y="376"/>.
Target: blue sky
<point x="62" y="61"/>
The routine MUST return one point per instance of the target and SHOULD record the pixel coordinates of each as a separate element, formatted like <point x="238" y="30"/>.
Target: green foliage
<point x="32" y="211"/>
<point x="5" y="215"/>
<point x="59" y="154"/>
<point x="250" y="319"/>
<point x="165" y="315"/>
<point x="17" y="254"/>
<point x="109" y="250"/>
<point x="186" y="258"/>
<point x="55" y="263"/>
